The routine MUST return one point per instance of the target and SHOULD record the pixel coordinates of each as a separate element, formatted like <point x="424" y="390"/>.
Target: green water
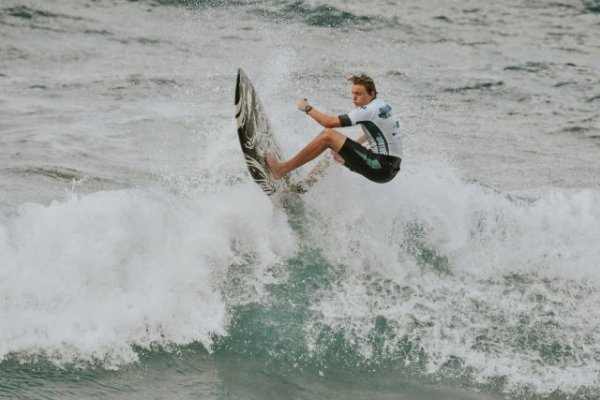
<point x="193" y="374"/>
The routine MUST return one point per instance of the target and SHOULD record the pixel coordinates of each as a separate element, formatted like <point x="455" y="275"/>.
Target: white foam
<point x="479" y="230"/>
<point x="505" y="293"/>
<point x="88" y="278"/>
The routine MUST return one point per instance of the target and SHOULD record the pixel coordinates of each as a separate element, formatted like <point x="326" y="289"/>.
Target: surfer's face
<point x="360" y="96"/>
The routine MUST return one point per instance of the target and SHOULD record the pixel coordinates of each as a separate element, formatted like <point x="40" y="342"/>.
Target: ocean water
<point x="139" y="261"/>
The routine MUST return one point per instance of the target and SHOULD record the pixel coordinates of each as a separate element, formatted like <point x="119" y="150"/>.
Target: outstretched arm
<point x="325" y="120"/>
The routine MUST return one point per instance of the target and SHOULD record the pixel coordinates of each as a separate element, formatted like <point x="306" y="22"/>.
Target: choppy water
<point x="138" y="260"/>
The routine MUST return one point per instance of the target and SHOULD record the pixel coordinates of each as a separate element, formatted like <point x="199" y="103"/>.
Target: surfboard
<point x="256" y="136"/>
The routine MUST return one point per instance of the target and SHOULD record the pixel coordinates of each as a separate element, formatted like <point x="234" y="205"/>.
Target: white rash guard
<point x="381" y="129"/>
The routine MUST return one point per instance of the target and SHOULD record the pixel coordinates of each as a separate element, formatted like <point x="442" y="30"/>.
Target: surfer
<point x="380" y="162"/>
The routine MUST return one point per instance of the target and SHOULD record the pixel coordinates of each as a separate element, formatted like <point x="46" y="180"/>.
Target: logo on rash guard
<point x="385" y="112"/>
<point x="396" y="129"/>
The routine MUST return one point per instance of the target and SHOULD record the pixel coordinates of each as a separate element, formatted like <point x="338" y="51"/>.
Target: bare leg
<point x="317" y="171"/>
<point x="327" y="139"/>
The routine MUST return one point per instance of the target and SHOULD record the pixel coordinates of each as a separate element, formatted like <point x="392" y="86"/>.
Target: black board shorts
<point x="378" y="168"/>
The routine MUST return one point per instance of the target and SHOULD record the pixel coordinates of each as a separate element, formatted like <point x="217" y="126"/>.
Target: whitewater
<point x="139" y="260"/>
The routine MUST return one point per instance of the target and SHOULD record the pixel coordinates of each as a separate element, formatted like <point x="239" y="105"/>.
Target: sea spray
<point x="88" y="278"/>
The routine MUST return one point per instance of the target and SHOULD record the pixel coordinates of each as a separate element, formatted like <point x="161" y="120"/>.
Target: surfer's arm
<point x="325" y="120"/>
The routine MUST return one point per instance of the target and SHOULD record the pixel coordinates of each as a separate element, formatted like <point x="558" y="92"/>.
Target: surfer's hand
<point x="302" y="105"/>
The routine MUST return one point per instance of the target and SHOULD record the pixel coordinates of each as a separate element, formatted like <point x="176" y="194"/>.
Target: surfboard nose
<point x="238" y="93"/>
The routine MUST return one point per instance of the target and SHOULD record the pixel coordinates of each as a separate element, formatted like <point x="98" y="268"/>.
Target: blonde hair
<point x="364" y="80"/>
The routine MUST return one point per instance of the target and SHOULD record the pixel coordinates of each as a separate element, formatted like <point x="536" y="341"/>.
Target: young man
<point x="379" y="163"/>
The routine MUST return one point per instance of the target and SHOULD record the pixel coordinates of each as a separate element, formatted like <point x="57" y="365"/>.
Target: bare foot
<point x="275" y="167"/>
